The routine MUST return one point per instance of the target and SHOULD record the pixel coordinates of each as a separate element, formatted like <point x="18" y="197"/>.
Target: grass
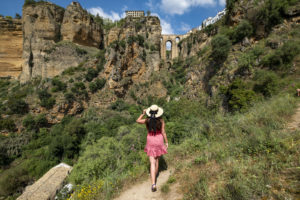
<point x="243" y="156"/>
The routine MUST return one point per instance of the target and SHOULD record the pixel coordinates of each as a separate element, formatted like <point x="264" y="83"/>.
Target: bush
<point x="48" y="103"/>
<point x="131" y="40"/>
<point x="91" y="74"/>
<point x="18" y="16"/>
<point x="244" y="29"/>
<point x="239" y="97"/>
<point x="119" y="105"/>
<point x="140" y="40"/>
<point x="80" y="51"/>
<point x="122" y="44"/>
<point x="281" y="58"/>
<point x="9" y="17"/>
<point x="97" y="85"/>
<point x="273" y="12"/>
<point x="267" y="83"/>
<point x="220" y="48"/>
<point x="58" y="85"/>
<point x="17" y="106"/>
<point x="31" y="123"/>
<point x="7" y="124"/>
<point x="69" y="97"/>
<point x="29" y="2"/>
<point x="46" y="100"/>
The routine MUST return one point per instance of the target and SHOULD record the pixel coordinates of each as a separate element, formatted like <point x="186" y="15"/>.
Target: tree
<point x="28" y="2"/>
<point x="220" y="48"/>
<point x="18" y="16"/>
<point x="148" y="13"/>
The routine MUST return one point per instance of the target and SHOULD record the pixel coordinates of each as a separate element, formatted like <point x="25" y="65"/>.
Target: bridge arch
<point x="174" y="39"/>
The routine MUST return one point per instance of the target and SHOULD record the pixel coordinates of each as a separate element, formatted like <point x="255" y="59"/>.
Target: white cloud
<point x="166" y="27"/>
<point x="151" y="5"/>
<point x="222" y="2"/>
<point x="112" y="15"/>
<point x="181" y="6"/>
<point x="185" y="27"/>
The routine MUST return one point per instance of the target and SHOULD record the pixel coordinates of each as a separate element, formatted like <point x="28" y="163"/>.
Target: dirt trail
<point x="142" y="191"/>
<point x="295" y="120"/>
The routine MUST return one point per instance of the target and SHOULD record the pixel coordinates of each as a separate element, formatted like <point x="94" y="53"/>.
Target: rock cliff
<point x="133" y="52"/>
<point x="45" y="25"/>
<point x="11" y="41"/>
<point x="79" y="27"/>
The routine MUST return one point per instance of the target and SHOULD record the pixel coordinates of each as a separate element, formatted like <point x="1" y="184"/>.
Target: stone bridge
<point x="173" y="41"/>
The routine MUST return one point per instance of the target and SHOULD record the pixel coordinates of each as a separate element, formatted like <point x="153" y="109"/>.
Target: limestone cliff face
<point x="45" y="25"/>
<point x="11" y="41"/>
<point x="79" y="27"/>
<point x="41" y="27"/>
<point x="132" y="52"/>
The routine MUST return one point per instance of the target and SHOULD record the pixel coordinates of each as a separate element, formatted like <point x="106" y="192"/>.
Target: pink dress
<point x="155" y="144"/>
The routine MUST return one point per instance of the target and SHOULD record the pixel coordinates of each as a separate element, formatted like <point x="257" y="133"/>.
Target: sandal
<point x="153" y="187"/>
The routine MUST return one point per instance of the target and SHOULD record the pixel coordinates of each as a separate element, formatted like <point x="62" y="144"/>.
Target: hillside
<point x="227" y="97"/>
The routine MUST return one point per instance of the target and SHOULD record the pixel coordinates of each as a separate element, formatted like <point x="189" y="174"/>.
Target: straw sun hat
<point x="155" y="111"/>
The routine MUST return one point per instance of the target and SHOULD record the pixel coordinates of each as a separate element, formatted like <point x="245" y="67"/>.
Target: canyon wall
<point x="11" y="41"/>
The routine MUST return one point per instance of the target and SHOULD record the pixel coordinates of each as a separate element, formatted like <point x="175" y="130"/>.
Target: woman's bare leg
<point x="152" y="169"/>
<point x="156" y="165"/>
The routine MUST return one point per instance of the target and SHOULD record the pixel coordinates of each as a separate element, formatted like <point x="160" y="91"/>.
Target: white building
<point x="212" y="20"/>
<point x="135" y="13"/>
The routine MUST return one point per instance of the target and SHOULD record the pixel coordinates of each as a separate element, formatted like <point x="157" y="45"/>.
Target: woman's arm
<point x="140" y="120"/>
<point x="164" y="132"/>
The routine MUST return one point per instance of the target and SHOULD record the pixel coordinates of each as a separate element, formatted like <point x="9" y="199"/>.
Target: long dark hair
<point x="154" y="124"/>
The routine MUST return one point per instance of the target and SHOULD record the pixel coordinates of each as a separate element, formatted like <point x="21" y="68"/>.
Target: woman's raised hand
<point x="144" y="111"/>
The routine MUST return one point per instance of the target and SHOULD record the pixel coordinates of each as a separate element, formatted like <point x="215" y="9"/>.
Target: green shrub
<point x="267" y="83"/>
<point x="119" y="105"/>
<point x="290" y="49"/>
<point x="97" y="85"/>
<point x="17" y="16"/>
<point x="273" y="12"/>
<point x="58" y="85"/>
<point x="91" y="74"/>
<point x="7" y="124"/>
<point x="140" y="40"/>
<point x="239" y="97"/>
<point x="210" y="30"/>
<point x="131" y="40"/>
<point x="13" y="179"/>
<point x="80" y="51"/>
<point x="17" y="106"/>
<point x="29" y="2"/>
<point x="122" y="44"/>
<point x="220" y="48"/>
<point x="46" y="100"/>
<point x="69" y="97"/>
<point x="48" y="103"/>
<point x="138" y="26"/>
<point x="93" y="87"/>
<point x="153" y="48"/>
<point x="282" y="58"/>
<point x="79" y="89"/>
<point x="243" y="29"/>
<point x="9" y="17"/>
<point x="29" y="122"/>
<point x="41" y="121"/>
<point x="230" y="4"/>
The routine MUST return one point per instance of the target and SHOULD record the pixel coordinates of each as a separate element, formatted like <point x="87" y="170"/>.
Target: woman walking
<point x="155" y="146"/>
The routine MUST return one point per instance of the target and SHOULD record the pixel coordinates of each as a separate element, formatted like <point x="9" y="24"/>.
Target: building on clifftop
<point x="135" y="13"/>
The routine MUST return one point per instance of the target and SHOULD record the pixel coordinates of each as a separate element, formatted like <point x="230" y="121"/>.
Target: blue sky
<point x="177" y="16"/>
